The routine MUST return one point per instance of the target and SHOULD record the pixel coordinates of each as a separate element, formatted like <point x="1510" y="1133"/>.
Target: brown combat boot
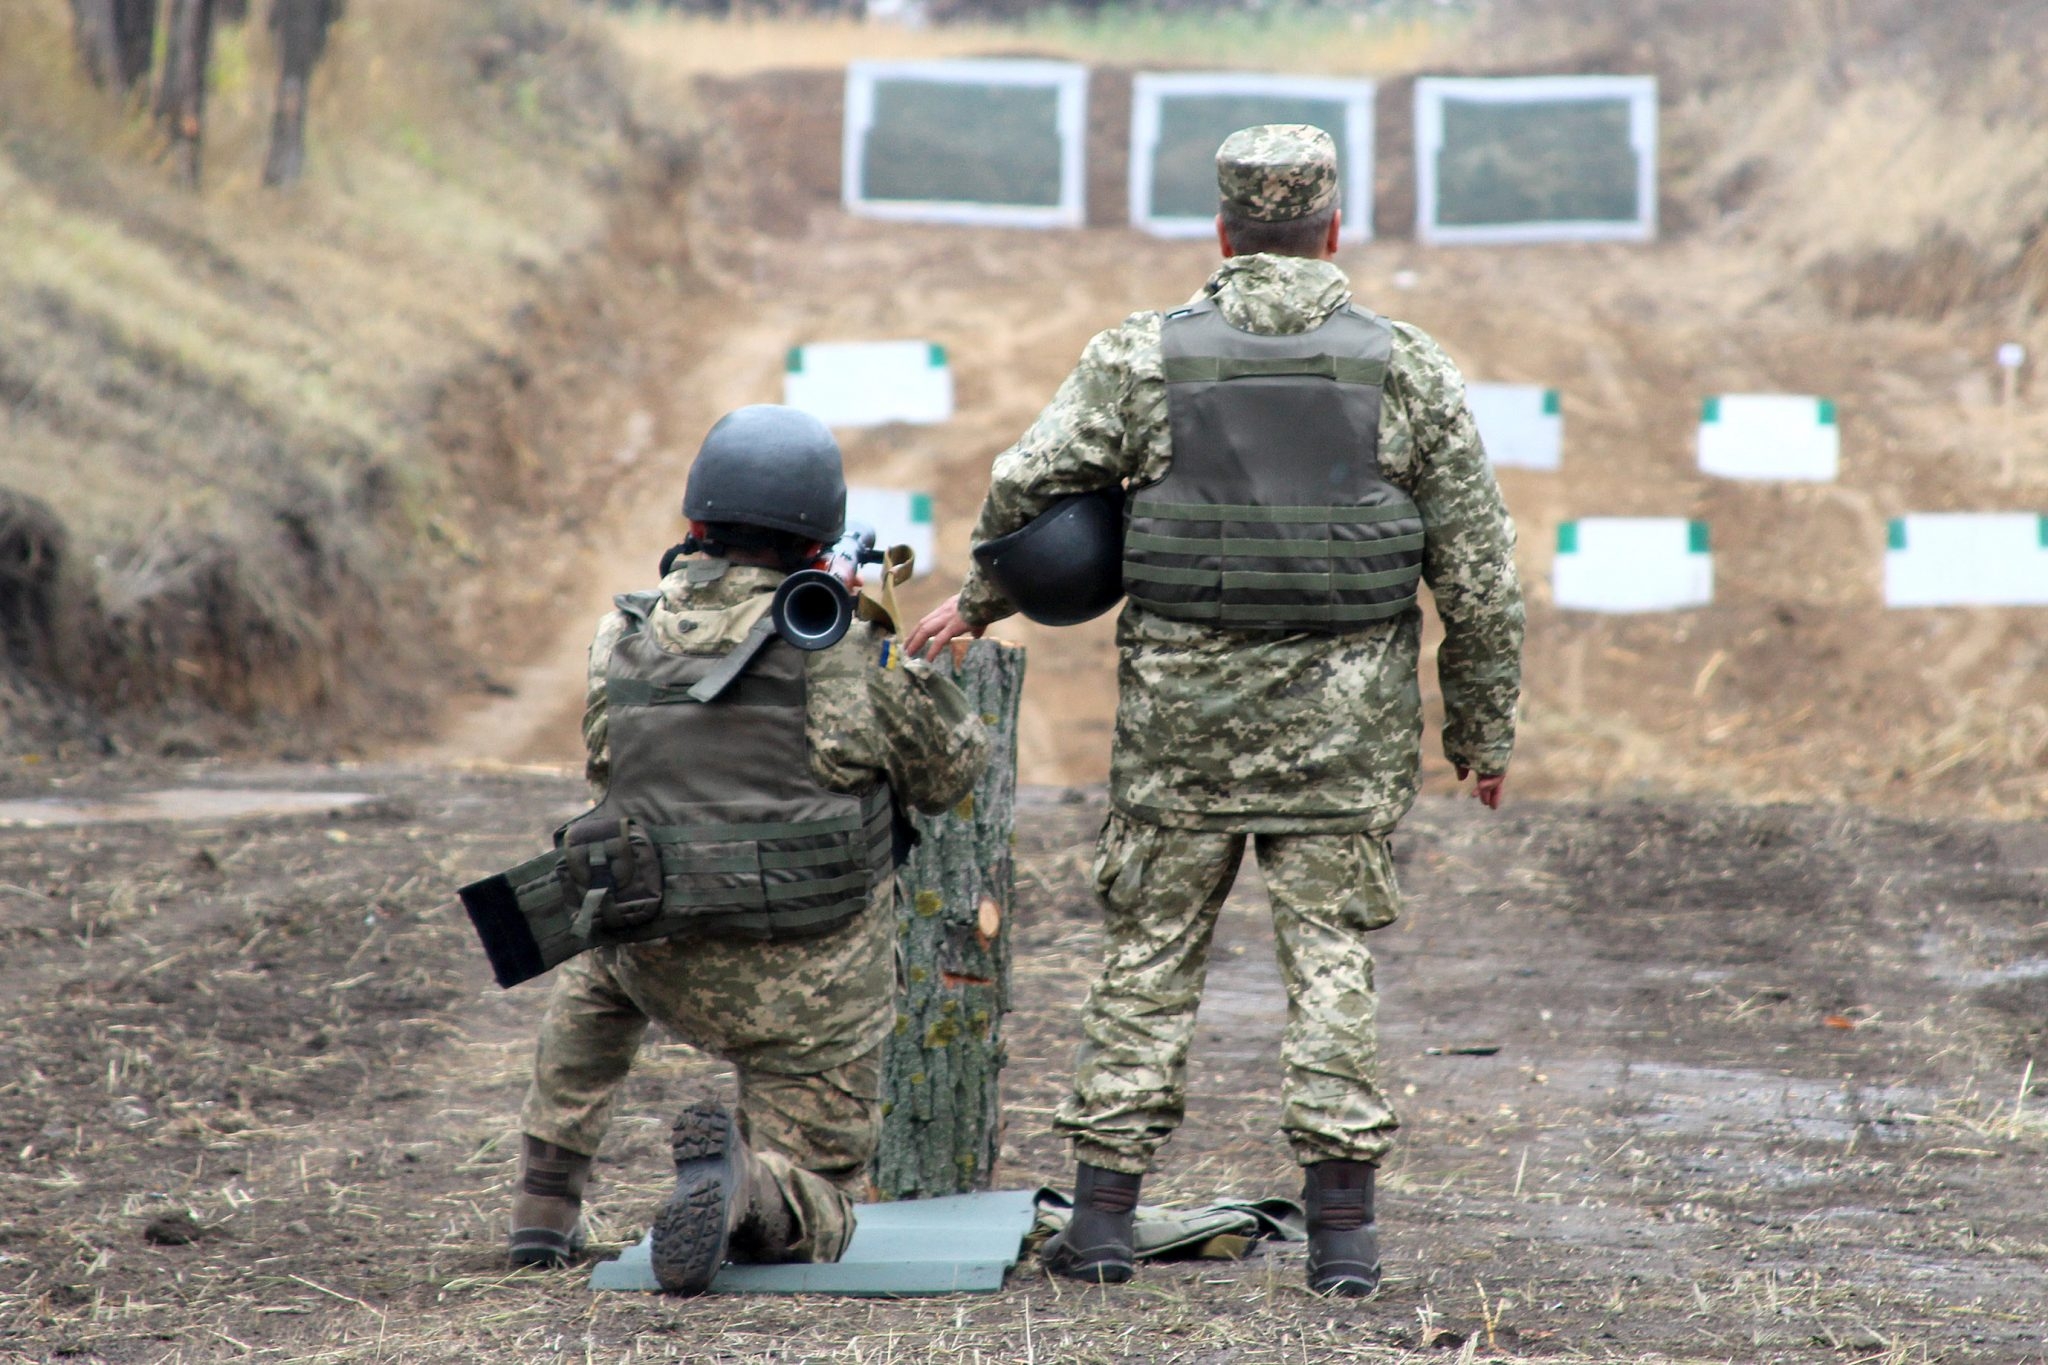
<point x="1097" y="1244"/>
<point x="767" y="1230"/>
<point x="693" y="1231"/>
<point x="1343" y="1245"/>
<point x="547" y="1209"/>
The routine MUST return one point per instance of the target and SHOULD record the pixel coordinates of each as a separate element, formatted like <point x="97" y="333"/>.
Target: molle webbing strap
<point x="1258" y="615"/>
<point x="1268" y="547"/>
<point x="1212" y="369"/>
<point x="1278" y="516"/>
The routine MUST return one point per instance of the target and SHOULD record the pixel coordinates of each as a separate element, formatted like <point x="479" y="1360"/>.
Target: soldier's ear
<point x="1336" y="233"/>
<point x="1223" y="239"/>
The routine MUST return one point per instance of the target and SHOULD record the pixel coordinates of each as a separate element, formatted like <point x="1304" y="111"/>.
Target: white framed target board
<point x="1179" y="119"/>
<point x="988" y="143"/>
<point x="1632" y="564"/>
<point x="1535" y="159"/>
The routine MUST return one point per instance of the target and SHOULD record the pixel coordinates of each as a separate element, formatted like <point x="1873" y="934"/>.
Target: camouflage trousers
<point x="802" y="1021"/>
<point x="1161" y="890"/>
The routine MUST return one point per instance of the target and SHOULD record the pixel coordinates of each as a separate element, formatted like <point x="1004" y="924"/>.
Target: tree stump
<point x="940" y="1101"/>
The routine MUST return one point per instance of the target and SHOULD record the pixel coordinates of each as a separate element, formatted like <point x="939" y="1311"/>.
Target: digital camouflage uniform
<point x="1306" y="744"/>
<point x="802" y="1020"/>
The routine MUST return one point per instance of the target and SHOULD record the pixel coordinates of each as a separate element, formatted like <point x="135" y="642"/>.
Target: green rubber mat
<point x="959" y="1244"/>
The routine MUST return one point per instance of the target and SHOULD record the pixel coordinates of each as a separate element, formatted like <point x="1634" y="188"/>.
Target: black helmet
<point x="1067" y="565"/>
<point x="767" y="465"/>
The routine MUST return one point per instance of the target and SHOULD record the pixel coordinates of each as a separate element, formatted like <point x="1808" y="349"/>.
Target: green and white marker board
<point x="1522" y="425"/>
<point x="1769" y="436"/>
<point x="1536" y="159"/>
<point x="1178" y="121"/>
<point x="899" y="518"/>
<point x="868" y="383"/>
<point x="993" y="143"/>
<point x="1632" y="564"/>
<point x="1967" y="559"/>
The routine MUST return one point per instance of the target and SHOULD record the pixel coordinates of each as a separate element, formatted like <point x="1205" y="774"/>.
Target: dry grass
<point x="238" y="376"/>
<point x="1286" y="40"/>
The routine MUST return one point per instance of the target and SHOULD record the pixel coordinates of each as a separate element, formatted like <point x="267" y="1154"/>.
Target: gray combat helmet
<point x="772" y="466"/>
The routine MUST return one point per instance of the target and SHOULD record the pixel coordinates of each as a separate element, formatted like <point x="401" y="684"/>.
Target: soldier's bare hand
<point x="940" y="627"/>
<point x="1487" y="790"/>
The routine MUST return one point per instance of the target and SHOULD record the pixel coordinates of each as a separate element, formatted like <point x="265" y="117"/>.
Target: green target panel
<point x="1534" y="159"/>
<point x="983" y="142"/>
<point x="1178" y="121"/>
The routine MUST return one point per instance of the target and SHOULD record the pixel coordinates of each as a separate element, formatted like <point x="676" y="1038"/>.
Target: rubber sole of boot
<point x="1346" y="1283"/>
<point x="543" y="1248"/>
<point x="1093" y="1272"/>
<point x="689" y="1234"/>
<point x="1090" y="1267"/>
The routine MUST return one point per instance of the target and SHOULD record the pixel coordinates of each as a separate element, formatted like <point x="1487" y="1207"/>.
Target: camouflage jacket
<point x="903" y="722"/>
<point x="1225" y="729"/>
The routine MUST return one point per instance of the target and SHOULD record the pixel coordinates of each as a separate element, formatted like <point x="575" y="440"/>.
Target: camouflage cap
<point x="1278" y="172"/>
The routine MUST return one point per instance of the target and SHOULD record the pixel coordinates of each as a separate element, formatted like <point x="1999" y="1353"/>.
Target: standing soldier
<point x="1295" y="466"/>
<point x="764" y="783"/>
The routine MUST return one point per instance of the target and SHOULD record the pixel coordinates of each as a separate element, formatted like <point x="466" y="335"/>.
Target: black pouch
<point x="611" y="871"/>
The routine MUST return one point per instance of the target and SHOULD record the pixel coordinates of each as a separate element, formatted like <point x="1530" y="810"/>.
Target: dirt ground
<point x="1755" y="1087"/>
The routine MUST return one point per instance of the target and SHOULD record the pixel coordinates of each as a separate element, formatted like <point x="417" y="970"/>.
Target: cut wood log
<point x="942" y="1111"/>
<point x="98" y="41"/>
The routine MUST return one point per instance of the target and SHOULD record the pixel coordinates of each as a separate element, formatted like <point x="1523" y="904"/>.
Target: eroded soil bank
<point x="1757" y="1095"/>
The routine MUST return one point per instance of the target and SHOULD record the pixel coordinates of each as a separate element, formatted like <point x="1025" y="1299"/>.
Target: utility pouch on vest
<point x="512" y="912"/>
<point x="611" y="872"/>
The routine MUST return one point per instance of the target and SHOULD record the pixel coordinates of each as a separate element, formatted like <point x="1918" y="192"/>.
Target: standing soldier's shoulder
<point x="1423" y="372"/>
<point x="1130" y="341"/>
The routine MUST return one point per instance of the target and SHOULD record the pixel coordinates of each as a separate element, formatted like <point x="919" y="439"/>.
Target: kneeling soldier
<point x="760" y="786"/>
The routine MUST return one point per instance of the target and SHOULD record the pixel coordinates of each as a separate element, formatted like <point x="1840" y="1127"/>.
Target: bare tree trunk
<point x="99" y="45"/>
<point x="301" y="28"/>
<point x="942" y="1121"/>
<point x="181" y="99"/>
<point x="135" y="32"/>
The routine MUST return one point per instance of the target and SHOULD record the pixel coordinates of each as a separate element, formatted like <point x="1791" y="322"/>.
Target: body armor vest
<point x="1273" y="514"/>
<point x="712" y="822"/>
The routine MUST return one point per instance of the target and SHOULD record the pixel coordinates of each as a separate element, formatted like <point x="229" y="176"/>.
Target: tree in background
<point x="300" y="28"/>
<point x="181" y="91"/>
<point x="117" y="42"/>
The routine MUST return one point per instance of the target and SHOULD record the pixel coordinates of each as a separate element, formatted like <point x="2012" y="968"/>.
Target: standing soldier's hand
<point x="1487" y="789"/>
<point x="940" y="627"/>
